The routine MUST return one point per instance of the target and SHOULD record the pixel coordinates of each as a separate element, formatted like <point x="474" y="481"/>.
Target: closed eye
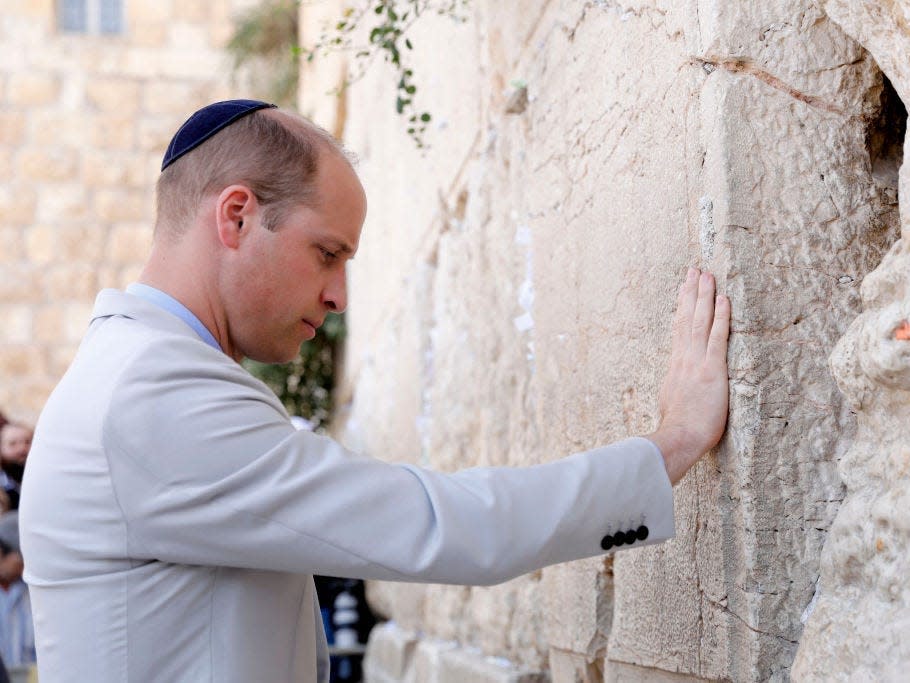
<point x="328" y="256"/>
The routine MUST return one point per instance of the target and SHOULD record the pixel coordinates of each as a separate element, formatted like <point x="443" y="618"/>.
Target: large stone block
<point x="36" y="10"/>
<point x="578" y="603"/>
<point x="618" y="672"/>
<point x="113" y="131"/>
<point x="149" y="35"/>
<point x="12" y="128"/>
<point x="20" y="283"/>
<point x="571" y="667"/>
<point x="173" y="99"/>
<point x="57" y="128"/>
<point x="21" y="360"/>
<point x="70" y="281"/>
<point x="17" y="323"/>
<point x="150" y="12"/>
<point x="117" y="205"/>
<point x="44" y="164"/>
<point x="32" y="88"/>
<point x="398" y="656"/>
<point x="48" y="322"/>
<point x="114" y="94"/>
<point x="457" y="666"/>
<point x="196" y="11"/>
<point x="55" y="244"/>
<point x="13" y="249"/>
<point x="155" y="133"/>
<point x="65" y="204"/>
<point x="17" y="204"/>
<point x="129" y="244"/>
<point x="183" y="33"/>
<point x="105" y="168"/>
<point x="389" y="652"/>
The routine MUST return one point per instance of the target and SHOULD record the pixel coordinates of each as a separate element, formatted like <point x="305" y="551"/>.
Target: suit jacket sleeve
<point x="207" y="470"/>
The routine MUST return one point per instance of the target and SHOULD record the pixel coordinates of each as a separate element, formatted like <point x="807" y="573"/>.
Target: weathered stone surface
<point x="571" y="667"/>
<point x="618" y="672"/>
<point x="390" y="652"/>
<point x="752" y="521"/>
<point x="857" y="624"/>
<point x="395" y="655"/>
<point x="512" y="298"/>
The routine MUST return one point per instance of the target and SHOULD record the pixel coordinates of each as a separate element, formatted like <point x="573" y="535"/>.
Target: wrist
<point x="677" y="451"/>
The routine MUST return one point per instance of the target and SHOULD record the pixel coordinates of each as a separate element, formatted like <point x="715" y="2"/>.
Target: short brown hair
<point x="272" y="152"/>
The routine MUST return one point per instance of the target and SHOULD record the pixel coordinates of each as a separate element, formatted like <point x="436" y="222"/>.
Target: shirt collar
<point x="171" y="305"/>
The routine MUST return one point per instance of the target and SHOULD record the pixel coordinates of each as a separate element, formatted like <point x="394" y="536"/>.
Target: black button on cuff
<point x="641" y="533"/>
<point x="606" y="542"/>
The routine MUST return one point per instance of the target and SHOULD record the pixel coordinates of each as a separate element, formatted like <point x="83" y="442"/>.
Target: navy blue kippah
<point x="205" y="123"/>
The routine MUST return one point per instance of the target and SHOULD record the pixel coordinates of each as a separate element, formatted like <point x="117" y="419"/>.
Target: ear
<point x="234" y="209"/>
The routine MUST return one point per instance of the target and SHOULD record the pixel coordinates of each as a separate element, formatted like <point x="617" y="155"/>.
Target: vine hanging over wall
<point x="379" y="28"/>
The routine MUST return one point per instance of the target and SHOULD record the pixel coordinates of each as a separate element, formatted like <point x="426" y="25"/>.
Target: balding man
<point x="172" y="516"/>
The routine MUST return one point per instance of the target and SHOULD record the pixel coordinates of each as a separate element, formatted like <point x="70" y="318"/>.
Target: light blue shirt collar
<point x="171" y="305"/>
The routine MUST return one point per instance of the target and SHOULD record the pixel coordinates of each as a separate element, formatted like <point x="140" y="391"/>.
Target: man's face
<point x="15" y="442"/>
<point x="281" y="284"/>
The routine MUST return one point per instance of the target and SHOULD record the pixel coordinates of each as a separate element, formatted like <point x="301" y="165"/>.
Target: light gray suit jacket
<point x="172" y="517"/>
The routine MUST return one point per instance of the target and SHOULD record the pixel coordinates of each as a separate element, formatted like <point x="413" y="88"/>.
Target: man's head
<point x="273" y="152"/>
<point x="255" y="226"/>
<point x="15" y="442"/>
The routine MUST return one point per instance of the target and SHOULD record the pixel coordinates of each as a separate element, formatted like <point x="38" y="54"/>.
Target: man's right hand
<point x="693" y="399"/>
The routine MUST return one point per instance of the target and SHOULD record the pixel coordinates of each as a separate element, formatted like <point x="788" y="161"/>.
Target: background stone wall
<point x="512" y="298"/>
<point x="84" y="121"/>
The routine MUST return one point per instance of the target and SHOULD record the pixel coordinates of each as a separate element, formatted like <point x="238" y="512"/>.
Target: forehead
<point x="340" y="207"/>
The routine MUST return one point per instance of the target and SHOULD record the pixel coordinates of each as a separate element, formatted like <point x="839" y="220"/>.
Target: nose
<point x="335" y="294"/>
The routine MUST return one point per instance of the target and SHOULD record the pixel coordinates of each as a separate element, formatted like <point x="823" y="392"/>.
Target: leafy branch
<point x="386" y="24"/>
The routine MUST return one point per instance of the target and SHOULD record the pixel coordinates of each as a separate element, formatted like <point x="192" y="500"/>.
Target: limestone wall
<point x="513" y="292"/>
<point x="84" y="121"/>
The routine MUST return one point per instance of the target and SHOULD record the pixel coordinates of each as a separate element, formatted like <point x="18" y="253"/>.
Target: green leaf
<point x="425" y="117"/>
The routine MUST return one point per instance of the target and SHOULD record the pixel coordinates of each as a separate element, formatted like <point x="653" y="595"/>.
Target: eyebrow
<point x="338" y="245"/>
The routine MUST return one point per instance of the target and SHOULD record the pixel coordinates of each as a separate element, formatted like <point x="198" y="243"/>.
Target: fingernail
<point x="690" y="275"/>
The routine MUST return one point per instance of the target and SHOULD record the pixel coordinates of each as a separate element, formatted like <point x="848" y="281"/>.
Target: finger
<point x="720" y="330"/>
<point x="704" y="309"/>
<point x="685" y="307"/>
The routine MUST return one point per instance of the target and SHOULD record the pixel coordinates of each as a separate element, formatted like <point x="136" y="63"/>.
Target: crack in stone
<point x="745" y="623"/>
<point x="747" y="67"/>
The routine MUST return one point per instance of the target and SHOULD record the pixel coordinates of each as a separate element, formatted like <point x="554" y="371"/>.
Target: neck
<point x="190" y="278"/>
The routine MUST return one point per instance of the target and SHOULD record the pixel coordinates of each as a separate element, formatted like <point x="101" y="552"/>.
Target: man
<point x="172" y="516"/>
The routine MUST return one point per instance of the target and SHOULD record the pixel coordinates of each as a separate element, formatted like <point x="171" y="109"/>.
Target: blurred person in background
<point x="17" y="636"/>
<point x="15" y="443"/>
